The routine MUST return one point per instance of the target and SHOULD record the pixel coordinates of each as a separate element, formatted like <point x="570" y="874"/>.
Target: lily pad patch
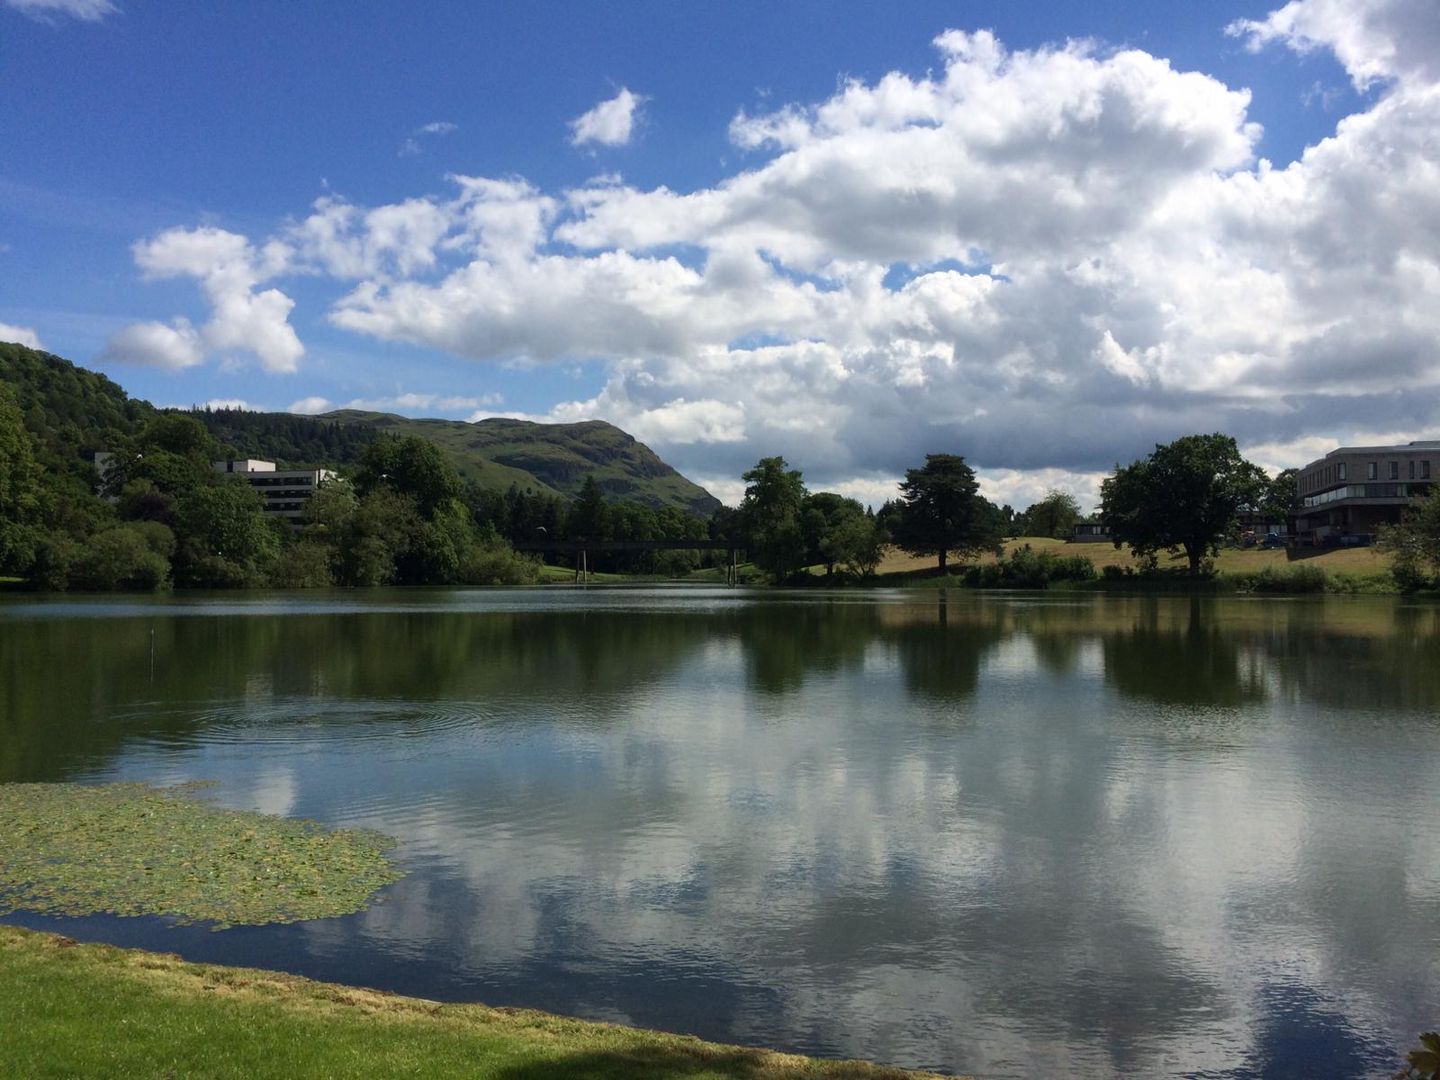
<point x="132" y="849"/>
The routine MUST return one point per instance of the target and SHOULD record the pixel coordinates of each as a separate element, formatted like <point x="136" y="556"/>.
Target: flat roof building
<point x="1088" y="531"/>
<point x="285" y="491"/>
<point x="1349" y="493"/>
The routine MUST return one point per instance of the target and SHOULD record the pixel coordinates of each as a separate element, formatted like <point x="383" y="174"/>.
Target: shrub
<point x="1026" y="568"/>
<point x="1289" y="579"/>
<point x="498" y="564"/>
<point x="1409" y="572"/>
<point x="303" y="565"/>
<point x="55" y="556"/>
<point x="120" y="558"/>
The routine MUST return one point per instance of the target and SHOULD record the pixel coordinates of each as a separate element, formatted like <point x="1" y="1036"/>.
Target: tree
<point x="1280" y="500"/>
<point x="413" y="466"/>
<point x="588" y="518"/>
<point x="1415" y="543"/>
<point x="859" y="543"/>
<point x="1054" y="515"/>
<point x="838" y="531"/>
<point x="1184" y="495"/>
<point x="770" y="516"/>
<point x="941" y="511"/>
<point x="19" y="487"/>
<point x="224" y="538"/>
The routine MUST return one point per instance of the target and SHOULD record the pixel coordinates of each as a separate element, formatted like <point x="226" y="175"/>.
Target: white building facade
<point x="285" y="491"/>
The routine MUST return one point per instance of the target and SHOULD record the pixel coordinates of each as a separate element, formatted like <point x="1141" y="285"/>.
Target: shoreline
<point x="69" y="1001"/>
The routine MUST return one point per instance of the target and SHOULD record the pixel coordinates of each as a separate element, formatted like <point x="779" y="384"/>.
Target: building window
<point x="1372" y="471"/>
<point x="1341" y="467"/>
<point x="1412" y="468"/>
<point x="1394" y="470"/>
<point x="1424" y="470"/>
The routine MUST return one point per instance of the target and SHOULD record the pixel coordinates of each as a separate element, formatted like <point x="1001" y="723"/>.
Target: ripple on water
<point x="288" y="720"/>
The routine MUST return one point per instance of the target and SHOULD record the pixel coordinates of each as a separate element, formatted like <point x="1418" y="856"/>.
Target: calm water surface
<point x="986" y="833"/>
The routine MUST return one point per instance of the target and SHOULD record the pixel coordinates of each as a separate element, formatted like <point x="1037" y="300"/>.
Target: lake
<point x="994" y="833"/>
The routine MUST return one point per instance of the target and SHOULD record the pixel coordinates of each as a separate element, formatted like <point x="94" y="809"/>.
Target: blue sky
<point x="163" y="161"/>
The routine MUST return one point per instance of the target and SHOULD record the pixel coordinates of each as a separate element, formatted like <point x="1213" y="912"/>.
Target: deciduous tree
<point x="1054" y="515"/>
<point x="1183" y="496"/>
<point x="1415" y="544"/>
<point x="771" y="517"/>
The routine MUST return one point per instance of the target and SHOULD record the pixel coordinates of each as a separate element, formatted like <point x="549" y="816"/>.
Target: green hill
<point x="548" y="457"/>
<point x="70" y="411"/>
<point x="73" y="411"/>
<point x="291" y="441"/>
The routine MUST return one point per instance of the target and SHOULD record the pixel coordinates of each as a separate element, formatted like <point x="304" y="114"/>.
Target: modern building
<point x="1349" y="493"/>
<point x="285" y="491"/>
<point x="1089" y="532"/>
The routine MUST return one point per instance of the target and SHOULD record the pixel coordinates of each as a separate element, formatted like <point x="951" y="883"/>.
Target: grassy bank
<point x="93" y="1010"/>
<point x="1303" y="570"/>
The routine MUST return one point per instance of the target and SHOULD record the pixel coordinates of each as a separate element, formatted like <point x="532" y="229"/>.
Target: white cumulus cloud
<point x="611" y="123"/>
<point x="425" y="404"/>
<point x="21" y="335"/>
<point x="1376" y="40"/>
<point x="1047" y="260"/>
<point x="243" y="317"/>
<point x="310" y="406"/>
<point x="176" y="346"/>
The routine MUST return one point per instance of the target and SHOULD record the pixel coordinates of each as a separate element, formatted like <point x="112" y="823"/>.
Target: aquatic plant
<point x="131" y="849"/>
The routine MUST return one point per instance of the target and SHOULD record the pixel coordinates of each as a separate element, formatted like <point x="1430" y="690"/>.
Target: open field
<point x="1357" y="562"/>
<point x="563" y="574"/>
<point x="94" y="1010"/>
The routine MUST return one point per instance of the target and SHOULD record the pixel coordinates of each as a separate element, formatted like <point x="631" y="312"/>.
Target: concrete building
<point x="285" y="491"/>
<point x="1349" y="493"/>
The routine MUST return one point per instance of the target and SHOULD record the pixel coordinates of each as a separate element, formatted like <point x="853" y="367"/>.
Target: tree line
<point x="786" y="528"/>
<point x="401" y="514"/>
<point x="161" y="515"/>
<point x="1184" y="497"/>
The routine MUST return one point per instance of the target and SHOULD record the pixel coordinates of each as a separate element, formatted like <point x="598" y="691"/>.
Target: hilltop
<point x="548" y="457"/>
<point x="72" y="411"/>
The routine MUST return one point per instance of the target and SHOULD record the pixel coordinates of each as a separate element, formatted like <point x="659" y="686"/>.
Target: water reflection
<point x="1005" y="835"/>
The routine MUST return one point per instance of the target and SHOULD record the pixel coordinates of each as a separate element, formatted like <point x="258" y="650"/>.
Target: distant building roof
<point x="1418" y="444"/>
<point x="244" y="465"/>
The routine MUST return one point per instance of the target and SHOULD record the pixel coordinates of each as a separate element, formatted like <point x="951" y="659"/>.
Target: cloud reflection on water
<point x="1103" y="834"/>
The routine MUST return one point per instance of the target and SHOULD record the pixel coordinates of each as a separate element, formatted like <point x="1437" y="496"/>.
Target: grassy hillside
<point x="549" y="457"/>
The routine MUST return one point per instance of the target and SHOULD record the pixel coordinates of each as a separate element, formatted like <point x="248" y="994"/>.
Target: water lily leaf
<point x="131" y="849"/>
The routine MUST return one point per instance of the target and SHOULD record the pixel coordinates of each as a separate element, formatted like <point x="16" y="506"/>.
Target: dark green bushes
<point x="1286" y="579"/>
<point x="1024" y="568"/>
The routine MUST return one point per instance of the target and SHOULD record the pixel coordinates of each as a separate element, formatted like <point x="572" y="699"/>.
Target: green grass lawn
<point x="1361" y="564"/>
<point x="93" y="1010"/>
<point x="549" y="574"/>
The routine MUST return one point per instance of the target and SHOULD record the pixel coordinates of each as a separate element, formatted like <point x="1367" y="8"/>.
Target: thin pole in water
<point x="152" y="654"/>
